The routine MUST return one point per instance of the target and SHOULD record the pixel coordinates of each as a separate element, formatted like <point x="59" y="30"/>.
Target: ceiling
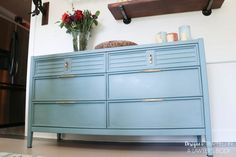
<point x="18" y="7"/>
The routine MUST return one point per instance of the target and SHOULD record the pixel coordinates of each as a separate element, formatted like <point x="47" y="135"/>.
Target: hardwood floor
<point x="52" y="148"/>
<point x="15" y="131"/>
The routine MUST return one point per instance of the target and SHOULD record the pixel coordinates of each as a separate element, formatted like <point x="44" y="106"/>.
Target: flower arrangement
<point x="79" y="23"/>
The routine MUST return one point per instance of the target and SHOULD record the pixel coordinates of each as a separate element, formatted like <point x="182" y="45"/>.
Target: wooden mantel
<point x="141" y="8"/>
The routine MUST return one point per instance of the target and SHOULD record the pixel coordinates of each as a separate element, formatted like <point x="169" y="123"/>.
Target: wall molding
<point x="221" y="62"/>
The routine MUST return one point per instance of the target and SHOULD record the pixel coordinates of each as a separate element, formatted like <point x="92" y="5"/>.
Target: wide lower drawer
<point x="92" y="87"/>
<point x="81" y="115"/>
<point x="170" y="83"/>
<point x="158" y="115"/>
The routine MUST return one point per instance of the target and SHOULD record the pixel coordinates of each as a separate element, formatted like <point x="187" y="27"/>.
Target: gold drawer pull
<point x="152" y="70"/>
<point x="66" y="76"/>
<point x="65" y="102"/>
<point x="153" y="100"/>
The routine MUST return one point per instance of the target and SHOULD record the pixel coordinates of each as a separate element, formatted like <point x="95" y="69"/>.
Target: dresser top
<point x="117" y="49"/>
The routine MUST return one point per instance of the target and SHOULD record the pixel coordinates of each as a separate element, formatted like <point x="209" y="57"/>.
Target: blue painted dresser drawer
<point x="128" y="60"/>
<point x="176" y="56"/>
<point x="81" y="115"/>
<point x="169" y="83"/>
<point x="92" y="63"/>
<point x="78" y="64"/>
<point x="160" y="115"/>
<point x="70" y="87"/>
<point x="156" y="57"/>
<point x="50" y="67"/>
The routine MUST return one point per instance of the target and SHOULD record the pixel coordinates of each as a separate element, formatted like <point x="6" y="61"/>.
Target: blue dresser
<point x="144" y="90"/>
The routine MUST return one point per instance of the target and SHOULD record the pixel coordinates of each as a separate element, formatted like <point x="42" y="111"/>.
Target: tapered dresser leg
<point x="29" y="139"/>
<point x="209" y="145"/>
<point x="199" y="139"/>
<point x="59" y="136"/>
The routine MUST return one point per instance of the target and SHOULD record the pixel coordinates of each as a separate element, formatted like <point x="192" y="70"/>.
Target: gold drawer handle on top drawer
<point x="66" y="76"/>
<point x="153" y="100"/>
<point x="152" y="70"/>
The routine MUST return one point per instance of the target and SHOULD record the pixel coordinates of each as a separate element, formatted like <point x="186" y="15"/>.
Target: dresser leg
<point x="208" y="136"/>
<point x="209" y="147"/>
<point x="29" y="139"/>
<point x="209" y="151"/>
<point x="59" y="136"/>
<point x="199" y="139"/>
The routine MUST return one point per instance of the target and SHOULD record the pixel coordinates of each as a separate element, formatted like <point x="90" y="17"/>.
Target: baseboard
<point x="12" y="125"/>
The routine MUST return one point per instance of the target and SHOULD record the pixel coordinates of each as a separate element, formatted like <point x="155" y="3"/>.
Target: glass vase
<point x="75" y="40"/>
<point x="83" y="40"/>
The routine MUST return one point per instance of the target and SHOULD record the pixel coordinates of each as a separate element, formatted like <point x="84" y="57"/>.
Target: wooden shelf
<point x="141" y="8"/>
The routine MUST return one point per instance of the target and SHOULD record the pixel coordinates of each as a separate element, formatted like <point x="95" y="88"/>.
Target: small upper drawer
<point x="88" y="64"/>
<point x="50" y="67"/>
<point x="78" y="64"/>
<point x="176" y="56"/>
<point x="154" y="57"/>
<point x="128" y="60"/>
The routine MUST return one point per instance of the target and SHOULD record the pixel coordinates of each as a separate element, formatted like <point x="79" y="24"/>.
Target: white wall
<point x="218" y="31"/>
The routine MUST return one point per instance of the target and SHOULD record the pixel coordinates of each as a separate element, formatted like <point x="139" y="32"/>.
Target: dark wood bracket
<point x="45" y="13"/>
<point x="208" y="9"/>
<point x="38" y="8"/>
<point x="126" y="19"/>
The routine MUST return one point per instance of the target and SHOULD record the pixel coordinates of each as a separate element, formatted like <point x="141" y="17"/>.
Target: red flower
<point x="65" y="18"/>
<point x="78" y="15"/>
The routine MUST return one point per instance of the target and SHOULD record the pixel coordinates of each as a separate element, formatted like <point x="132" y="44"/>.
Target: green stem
<point x="83" y="40"/>
<point x="75" y="40"/>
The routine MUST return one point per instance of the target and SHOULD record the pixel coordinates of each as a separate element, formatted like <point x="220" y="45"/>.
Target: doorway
<point x="14" y="40"/>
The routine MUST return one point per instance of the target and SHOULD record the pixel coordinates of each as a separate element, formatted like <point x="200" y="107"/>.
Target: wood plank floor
<point x="16" y="130"/>
<point x="52" y="148"/>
